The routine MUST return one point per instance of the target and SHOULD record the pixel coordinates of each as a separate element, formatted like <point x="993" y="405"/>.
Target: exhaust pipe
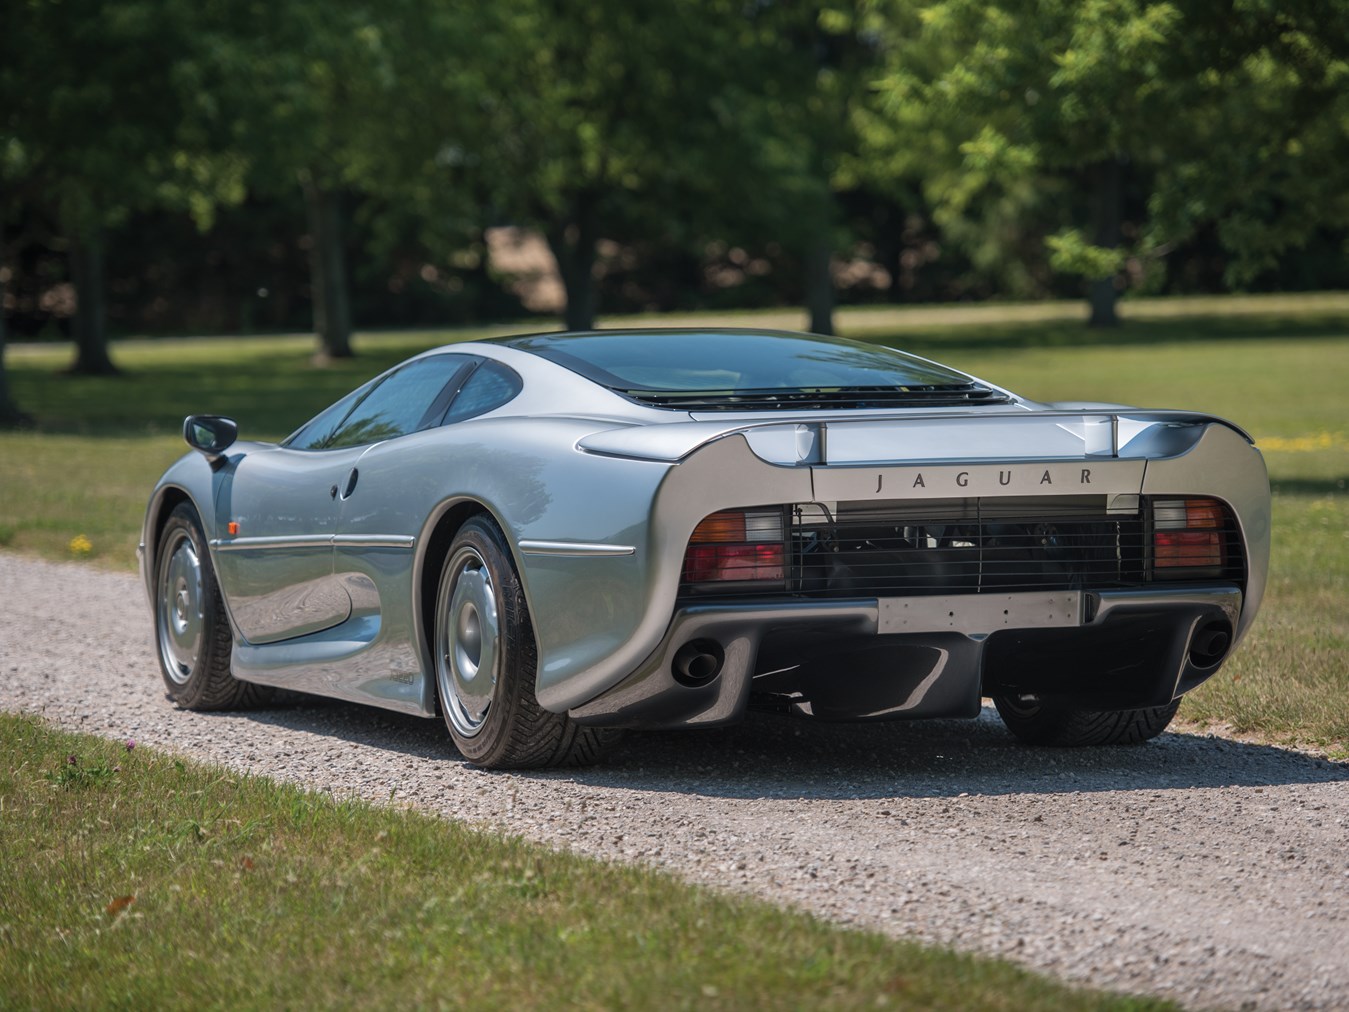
<point x="697" y="662"/>
<point x="1210" y="643"/>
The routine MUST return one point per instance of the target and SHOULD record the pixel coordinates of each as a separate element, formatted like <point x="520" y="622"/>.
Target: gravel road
<point x="1209" y="871"/>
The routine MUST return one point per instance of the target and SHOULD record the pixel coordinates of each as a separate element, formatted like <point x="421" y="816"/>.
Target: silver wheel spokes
<point x="468" y="644"/>
<point x="182" y="616"/>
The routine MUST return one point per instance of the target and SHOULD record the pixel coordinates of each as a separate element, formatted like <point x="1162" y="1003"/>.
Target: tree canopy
<point x="1028" y="144"/>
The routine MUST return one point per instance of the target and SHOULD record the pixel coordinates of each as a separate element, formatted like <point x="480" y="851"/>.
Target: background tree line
<point x="171" y="165"/>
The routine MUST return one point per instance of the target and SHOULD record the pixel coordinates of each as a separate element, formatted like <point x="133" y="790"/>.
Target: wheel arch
<point x="438" y="534"/>
<point x="166" y="499"/>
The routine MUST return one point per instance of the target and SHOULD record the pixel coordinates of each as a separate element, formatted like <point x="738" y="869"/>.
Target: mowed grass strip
<point x="134" y="879"/>
<point x="1277" y="365"/>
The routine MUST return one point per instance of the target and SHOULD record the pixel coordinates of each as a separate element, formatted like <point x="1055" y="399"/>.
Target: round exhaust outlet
<point x="1210" y="643"/>
<point x="697" y="663"/>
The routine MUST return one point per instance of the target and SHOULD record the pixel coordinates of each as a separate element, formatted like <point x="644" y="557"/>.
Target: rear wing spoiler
<point x="985" y="435"/>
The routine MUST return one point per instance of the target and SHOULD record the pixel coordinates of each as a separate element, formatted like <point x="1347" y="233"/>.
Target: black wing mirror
<point x="211" y="434"/>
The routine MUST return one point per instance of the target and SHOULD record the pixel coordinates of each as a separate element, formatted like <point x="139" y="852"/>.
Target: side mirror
<point x="210" y="434"/>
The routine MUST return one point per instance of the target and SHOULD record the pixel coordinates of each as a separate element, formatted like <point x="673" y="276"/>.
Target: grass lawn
<point x="134" y="879"/>
<point x="1279" y="366"/>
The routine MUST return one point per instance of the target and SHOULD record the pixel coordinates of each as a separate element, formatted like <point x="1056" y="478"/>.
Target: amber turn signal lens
<point x="1203" y="513"/>
<point x="731" y="526"/>
<point x="720" y="527"/>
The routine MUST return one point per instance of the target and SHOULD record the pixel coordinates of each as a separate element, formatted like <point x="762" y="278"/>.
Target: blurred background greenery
<point x="226" y="166"/>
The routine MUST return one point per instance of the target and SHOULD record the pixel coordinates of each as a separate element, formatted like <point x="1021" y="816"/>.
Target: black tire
<point x="486" y="659"/>
<point x="1038" y="723"/>
<point x="192" y="632"/>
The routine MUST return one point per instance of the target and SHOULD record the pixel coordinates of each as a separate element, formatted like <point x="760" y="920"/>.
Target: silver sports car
<point x="549" y="537"/>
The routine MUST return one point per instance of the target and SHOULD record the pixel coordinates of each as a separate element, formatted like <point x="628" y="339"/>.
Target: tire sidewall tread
<point x="517" y="733"/>
<point x="211" y="685"/>
<point x="1069" y="727"/>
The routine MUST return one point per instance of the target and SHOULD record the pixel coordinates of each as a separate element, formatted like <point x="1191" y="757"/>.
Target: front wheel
<point x="486" y="662"/>
<point x="1039" y="723"/>
<point x="191" y="628"/>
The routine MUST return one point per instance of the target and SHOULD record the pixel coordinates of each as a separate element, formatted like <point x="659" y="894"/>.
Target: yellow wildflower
<point x="1309" y="443"/>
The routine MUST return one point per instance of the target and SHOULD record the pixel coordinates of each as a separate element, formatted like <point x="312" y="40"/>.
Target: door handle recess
<point x="351" y="483"/>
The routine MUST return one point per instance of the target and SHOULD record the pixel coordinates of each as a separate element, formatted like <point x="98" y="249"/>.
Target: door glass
<point x="316" y="433"/>
<point x="402" y="403"/>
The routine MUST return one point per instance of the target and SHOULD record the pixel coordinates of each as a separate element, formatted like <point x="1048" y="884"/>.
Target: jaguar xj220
<point x="544" y="538"/>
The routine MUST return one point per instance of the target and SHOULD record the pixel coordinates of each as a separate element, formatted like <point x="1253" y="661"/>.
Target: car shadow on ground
<point x="775" y="757"/>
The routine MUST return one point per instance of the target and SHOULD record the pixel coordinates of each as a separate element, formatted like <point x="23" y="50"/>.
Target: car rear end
<point x="1102" y="559"/>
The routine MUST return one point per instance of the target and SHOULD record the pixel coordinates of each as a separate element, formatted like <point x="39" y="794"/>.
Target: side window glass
<point x="402" y="403"/>
<point x="490" y="387"/>
<point x="316" y="432"/>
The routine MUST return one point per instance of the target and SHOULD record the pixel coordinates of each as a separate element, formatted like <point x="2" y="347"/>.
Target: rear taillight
<point x="1187" y="535"/>
<point x="735" y="546"/>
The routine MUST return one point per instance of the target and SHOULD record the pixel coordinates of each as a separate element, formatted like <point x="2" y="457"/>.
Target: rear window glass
<point x="707" y="361"/>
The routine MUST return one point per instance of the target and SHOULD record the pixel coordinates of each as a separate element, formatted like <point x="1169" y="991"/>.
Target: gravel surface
<point x="1205" y="870"/>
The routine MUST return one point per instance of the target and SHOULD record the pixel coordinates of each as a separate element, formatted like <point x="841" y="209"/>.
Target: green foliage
<point x="74" y="774"/>
<point x="610" y="118"/>
<point x="1072" y="254"/>
<point x="1226" y="115"/>
<point x="100" y="113"/>
<point x="1037" y="137"/>
<point x="1263" y="140"/>
<point x="999" y="95"/>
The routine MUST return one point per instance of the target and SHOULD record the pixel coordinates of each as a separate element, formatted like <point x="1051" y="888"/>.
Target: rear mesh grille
<point x="877" y="549"/>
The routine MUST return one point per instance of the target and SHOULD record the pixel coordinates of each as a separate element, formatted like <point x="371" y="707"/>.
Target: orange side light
<point x="233" y="528"/>
<point x="1205" y="514"/>
<point x="720" y="527"/>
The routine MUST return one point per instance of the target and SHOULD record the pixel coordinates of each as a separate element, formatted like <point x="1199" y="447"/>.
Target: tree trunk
<point x="327" y="270"/>
<point x="10" y="415"/>
<point x="1108" y="200"/>
<point x="91" y="328"/>
<point x="820" y="286"/>
<point x="573" y="246"/>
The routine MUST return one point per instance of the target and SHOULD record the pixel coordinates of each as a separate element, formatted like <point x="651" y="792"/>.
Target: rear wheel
<point x="191" y="629"/>
<point x="486" y="662"/>
<point x="1038" y="723"/>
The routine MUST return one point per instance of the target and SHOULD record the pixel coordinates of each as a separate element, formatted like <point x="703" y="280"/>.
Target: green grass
<point x="1279" y="366"/>
<point x="134" y="879"/>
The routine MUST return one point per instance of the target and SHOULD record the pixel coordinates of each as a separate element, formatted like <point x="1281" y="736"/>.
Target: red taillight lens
<point x="1187" y="548"/>
<point x="1187" y="534"/>
<point x="736" y="545"/>
<point x="718" y="563"/>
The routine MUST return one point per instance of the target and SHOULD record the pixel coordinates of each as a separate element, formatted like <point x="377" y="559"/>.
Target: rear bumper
<point x="931" y="656"/>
